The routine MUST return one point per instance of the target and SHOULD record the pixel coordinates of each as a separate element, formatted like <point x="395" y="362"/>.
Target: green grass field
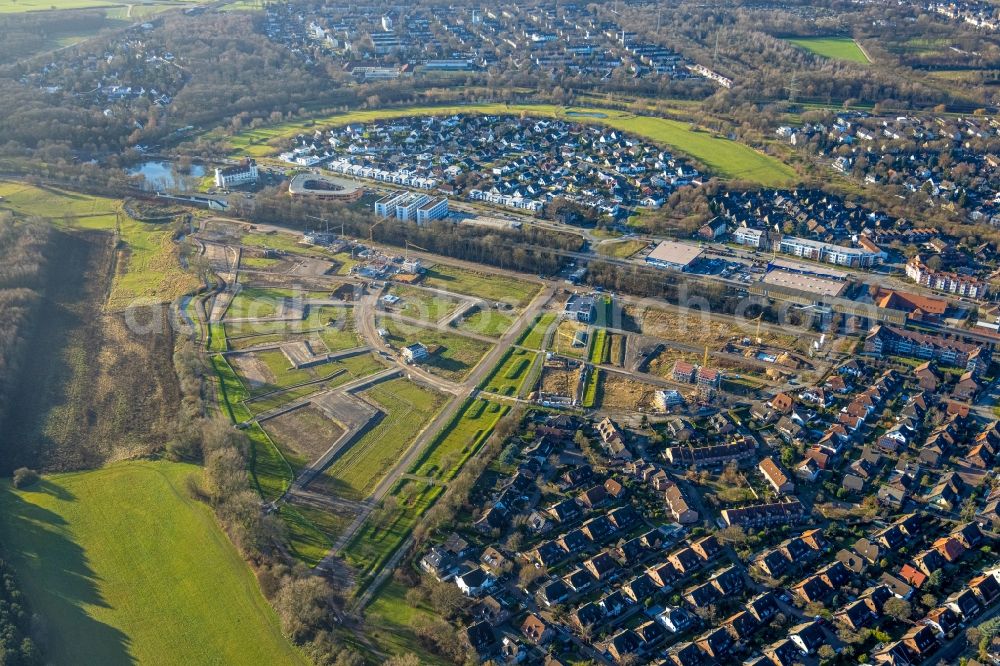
<point x="148" y="269"/>
<point x="620" y="249"/>
<point x="449" y="450"/>
<point x="487" y="286"/>
<point x="486" y="322"/>
<point x="722" y="156"/>
<point x="408" y="407"/>
<point x="458" y="354"/>
<point x="387" y="528"/>
<point x="422" y="304"/>
<point x="509" y="375"/>
<point x="125" y="568"/>
<point x="835" y="48"/>
<point x="534" y="336"/>
<point x="392" y="618"/>
<point x="116" y="10"/>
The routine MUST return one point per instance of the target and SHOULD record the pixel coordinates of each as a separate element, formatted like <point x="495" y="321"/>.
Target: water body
<point x="160" y="176"/>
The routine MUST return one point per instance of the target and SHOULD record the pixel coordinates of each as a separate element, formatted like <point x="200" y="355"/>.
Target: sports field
<point x="722" y="156"/>
<point x="835" y="48"/>
<point x="126" y="568"/>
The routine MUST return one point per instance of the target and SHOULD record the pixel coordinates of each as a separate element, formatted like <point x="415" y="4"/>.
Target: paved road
<point x="366" y="325"/>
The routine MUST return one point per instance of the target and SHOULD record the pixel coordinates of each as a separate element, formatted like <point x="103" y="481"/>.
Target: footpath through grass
<point x="126" y="568"/>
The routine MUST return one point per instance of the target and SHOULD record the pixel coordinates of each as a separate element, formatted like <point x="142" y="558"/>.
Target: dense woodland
<point x="17" y="648"/>
<point x="24" y="35"/>
<point x="22" y="268"/>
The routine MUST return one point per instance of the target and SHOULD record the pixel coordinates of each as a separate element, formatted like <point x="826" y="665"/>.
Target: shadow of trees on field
<point x="53" y="572"/>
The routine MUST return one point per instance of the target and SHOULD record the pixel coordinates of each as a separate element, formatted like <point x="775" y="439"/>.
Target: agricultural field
<point x="490" y="287"/>
<point x="302" y="435"/>
<point x="126" y="568"/>
<point x="491" y="322"/>
<point x="449" y="450"/>
<point x="835" y="48"/>
<point x="509" y="376"/>
<point x="457" y="355"/>
<point x="722" y="156"/>
<point x="534" y="335"/>
<point x="408" y="407"/>
<point x="118" y="10"/>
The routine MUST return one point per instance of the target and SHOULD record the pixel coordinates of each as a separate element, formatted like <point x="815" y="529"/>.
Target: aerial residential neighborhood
<point x="546" y="333"/>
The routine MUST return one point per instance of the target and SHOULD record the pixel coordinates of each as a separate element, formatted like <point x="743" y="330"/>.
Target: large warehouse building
<point x="674" y="255"/>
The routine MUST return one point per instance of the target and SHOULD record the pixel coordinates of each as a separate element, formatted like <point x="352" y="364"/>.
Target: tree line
<point x="22" y="275"/>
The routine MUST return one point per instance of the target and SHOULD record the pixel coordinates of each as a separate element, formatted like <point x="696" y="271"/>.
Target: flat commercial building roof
<point x="812" y="269"/>
<point x="816" y="285"/>
<point x="672" y="253"/>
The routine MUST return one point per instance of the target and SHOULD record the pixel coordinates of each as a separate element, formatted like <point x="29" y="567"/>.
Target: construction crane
<point x="406" y="253"/>
<point x="371" y="230"/>
<point x="758" y="338"/>
<point x="704" y="362"/>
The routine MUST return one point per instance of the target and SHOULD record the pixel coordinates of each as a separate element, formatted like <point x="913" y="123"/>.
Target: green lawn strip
<point x="217" y="338"/>
<point x="457" y="354"/>
<point x="337" y="373"/>
<point x="317" y="319"/>
<point x="723" y="156"/>
<point x="271" y="473"/>
<point x="509" y="375"/>
<point x="534" y="336"/>
<point x="599" y="349"/>
<point x="488" y="286"/>
<point x="590" y="389"/>
<point x="457" y="441"/>
<point x="259" y="302"/>
<point x="126" y="568"/>
<point x="407" y="407"/>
